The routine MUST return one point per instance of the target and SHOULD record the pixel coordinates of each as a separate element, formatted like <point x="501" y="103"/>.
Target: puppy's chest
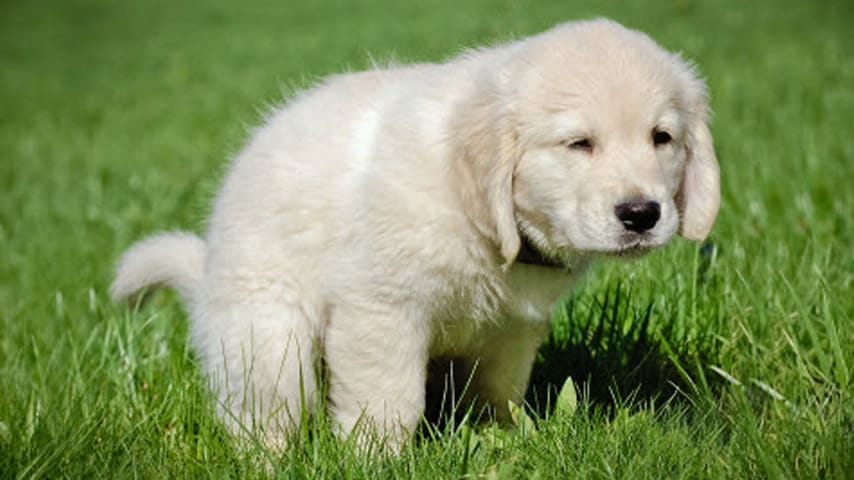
<point x="532" y="290"/>
<point x="524" y="298"/>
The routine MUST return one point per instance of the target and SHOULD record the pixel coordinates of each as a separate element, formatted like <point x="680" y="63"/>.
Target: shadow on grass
<point x="616" y="352"/>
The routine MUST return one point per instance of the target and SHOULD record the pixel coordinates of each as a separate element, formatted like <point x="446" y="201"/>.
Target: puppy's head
<point x="601" y="145"/>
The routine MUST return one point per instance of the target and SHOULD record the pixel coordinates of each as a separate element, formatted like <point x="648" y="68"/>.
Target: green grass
<point x="116" y="119"/>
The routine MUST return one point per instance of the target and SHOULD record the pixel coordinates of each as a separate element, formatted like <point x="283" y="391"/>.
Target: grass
<point x="732" y="361"/>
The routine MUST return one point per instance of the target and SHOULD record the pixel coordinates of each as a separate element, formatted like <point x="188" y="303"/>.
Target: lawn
<point x="733" y="359"/>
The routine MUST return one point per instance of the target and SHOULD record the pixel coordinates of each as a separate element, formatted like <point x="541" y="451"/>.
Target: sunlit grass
<point x="116" y="120"/>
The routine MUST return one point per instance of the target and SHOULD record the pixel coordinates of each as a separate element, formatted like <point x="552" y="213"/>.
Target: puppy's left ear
<point x="699" y="196"/>
<point x="486" y="150"/>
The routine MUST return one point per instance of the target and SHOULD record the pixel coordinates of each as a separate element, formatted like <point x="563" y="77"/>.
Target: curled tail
<point x="174" y="259"/>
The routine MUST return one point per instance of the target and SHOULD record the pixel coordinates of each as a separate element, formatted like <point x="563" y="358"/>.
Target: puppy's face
<point x="602" y="174"/>
<point x="606" y="136"/>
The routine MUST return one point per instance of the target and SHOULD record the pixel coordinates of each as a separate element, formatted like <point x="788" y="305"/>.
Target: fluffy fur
<point x="375" y="221"/>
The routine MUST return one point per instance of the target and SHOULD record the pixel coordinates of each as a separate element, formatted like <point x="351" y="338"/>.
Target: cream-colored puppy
<point x="392" y="216"/>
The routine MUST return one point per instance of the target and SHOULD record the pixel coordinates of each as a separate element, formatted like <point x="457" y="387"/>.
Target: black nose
<point x="638" y="216"/>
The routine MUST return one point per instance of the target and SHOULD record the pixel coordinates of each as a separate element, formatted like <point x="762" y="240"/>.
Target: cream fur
<point x="374" y="221"/>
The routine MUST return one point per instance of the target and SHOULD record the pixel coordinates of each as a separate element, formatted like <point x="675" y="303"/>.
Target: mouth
<point x="629" y="245"/>
<point x="631" y="251"/>
<point x="632" y="246"/>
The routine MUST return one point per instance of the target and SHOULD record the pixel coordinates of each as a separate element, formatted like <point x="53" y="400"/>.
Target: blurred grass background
<point x="116" y="120"/>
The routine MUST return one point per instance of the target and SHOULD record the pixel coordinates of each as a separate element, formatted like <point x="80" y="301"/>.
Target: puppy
<point x="388" y="217"/>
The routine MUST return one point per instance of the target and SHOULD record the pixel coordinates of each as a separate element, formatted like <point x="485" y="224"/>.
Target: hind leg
<point x="259" y="351"/>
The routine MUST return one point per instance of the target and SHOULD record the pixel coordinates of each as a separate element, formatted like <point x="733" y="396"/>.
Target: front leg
<point x="502" y="367"/>
<point x="377" y="365"/>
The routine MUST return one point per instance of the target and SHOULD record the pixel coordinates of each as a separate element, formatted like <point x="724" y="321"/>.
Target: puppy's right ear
<point x="699" y="196"/>
<point x="485" y="153"/>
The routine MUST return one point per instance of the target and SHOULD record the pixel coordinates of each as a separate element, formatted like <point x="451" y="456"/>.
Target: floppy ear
<point x="699" y="195"/>
<point x="485" y="156"/>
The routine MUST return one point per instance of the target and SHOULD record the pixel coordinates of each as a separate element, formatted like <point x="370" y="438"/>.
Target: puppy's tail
<point x="174" y="259"/>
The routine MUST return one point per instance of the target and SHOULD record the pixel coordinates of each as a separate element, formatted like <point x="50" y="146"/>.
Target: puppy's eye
<point x="581" y="144"/>
<point x="660" y="138"/>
